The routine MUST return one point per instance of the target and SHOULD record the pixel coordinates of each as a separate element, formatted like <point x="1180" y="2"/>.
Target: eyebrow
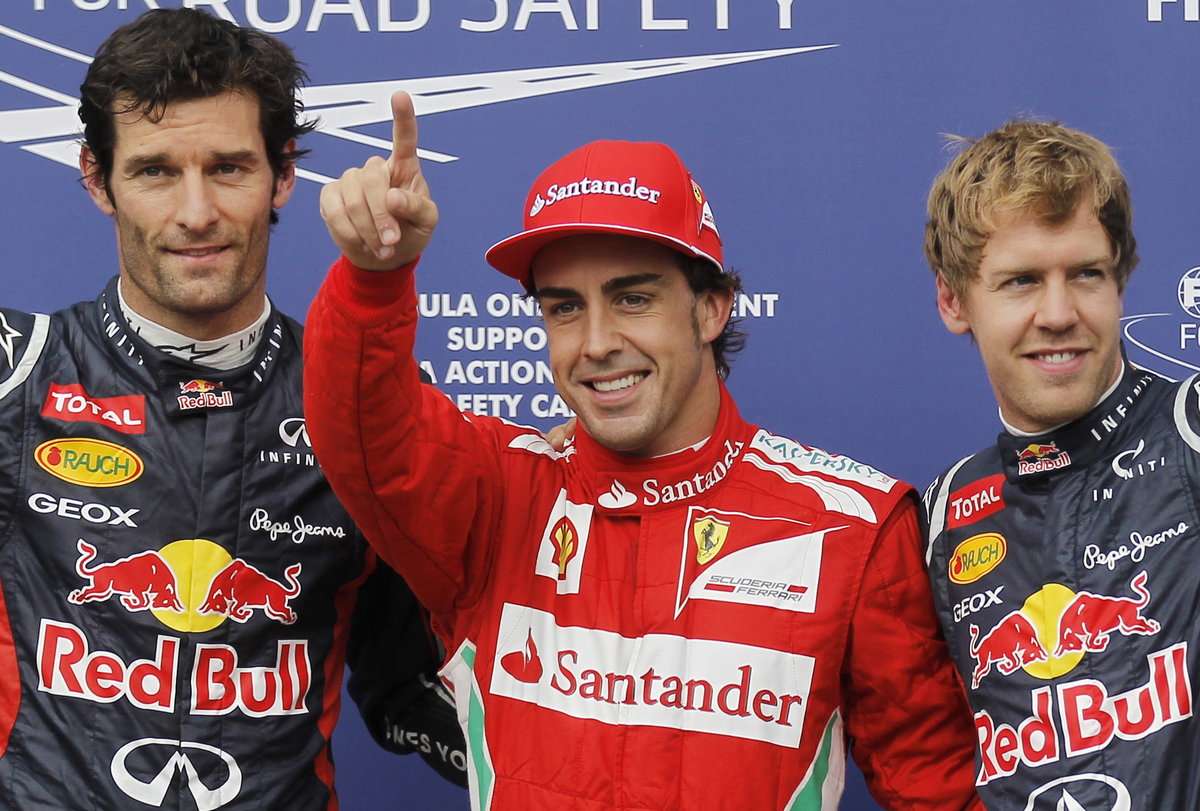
<point x="610" y="286"/>
<point x="155" y="158"/>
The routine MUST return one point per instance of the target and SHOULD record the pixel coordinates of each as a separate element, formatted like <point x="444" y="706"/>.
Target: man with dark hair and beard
<point x="177" y="581"/>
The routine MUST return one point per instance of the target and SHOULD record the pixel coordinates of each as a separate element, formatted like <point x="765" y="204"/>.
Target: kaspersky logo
<point x="53" y="132"/>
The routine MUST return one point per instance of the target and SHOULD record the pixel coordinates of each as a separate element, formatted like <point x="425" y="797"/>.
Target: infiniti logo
<point x="1081" y="792"/>
<point x="294" y="432"/>
<point x="154" y="791"/>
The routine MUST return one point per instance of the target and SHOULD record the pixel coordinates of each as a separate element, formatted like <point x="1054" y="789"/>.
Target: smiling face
<point x="191" y="196"/>
<point x="1045" y="310"/>
<point x="629" y="341"/>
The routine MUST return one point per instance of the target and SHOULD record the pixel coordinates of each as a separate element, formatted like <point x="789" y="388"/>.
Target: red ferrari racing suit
<point x="707" y="628"/>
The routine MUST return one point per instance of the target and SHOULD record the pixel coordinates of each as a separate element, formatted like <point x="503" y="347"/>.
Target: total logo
<point x="1050" y="633"/>
<point x="71" y="403"/>
<point x="976" y="501"/>
<point x="659" y="680"/>
<point x="210" y="587"/>
<point x="220" y="785"/>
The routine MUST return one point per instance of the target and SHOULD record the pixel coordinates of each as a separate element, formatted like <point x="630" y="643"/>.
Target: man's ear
<point x="952" y="309"/>
<point x="93" y="181"/>
<point x="713" y="309"/>
<point x="286" y="182"/>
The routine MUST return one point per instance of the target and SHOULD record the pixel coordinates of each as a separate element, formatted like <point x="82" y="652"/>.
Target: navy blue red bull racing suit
<point x="1064" y="570"/>
<point x="701" y="630"/>
<point x="177" y="580"/>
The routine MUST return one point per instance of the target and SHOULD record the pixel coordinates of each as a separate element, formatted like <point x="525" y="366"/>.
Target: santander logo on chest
<point x="659" y="680"/>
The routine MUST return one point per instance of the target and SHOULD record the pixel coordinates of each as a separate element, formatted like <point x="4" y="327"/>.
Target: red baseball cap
<point x="613" y="187"/>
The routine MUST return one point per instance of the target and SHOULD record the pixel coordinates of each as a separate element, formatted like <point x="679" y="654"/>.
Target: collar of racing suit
<point x="186" y="388"/>
<point x="629" y="485"/>
<point x="1039" y="458"/>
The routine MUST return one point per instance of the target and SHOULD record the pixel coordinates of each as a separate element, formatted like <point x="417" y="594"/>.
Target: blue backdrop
<point x="814" y="126"/>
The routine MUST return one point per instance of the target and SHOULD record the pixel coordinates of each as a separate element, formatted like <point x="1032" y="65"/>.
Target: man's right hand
<point x="381" y="215"/>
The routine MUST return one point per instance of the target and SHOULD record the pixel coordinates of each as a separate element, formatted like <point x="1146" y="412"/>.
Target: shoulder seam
<point x="937" y="509"/>
<point x="29" y="358"/>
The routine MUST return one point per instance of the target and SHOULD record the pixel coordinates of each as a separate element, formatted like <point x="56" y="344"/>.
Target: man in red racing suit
<point x="693" y="612"/>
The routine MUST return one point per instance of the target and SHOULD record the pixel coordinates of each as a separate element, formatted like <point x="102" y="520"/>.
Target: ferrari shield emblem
<point x="710" y="535"/>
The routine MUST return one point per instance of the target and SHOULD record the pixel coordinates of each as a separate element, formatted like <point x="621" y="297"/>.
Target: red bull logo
<point x="1037" y="451"/>
<point x="976" y="557"/>
<point x="1088" y="717"/>
<point x="1089" y="619"/>
<point x="239" y="588"/>
<point x="142" y="581"/>
<point x="69" y="667"/>
<point x="203" y="394"/>
<point x="199" y="386"/>
<point x="1040" y="457"/>
<point x="189" y="586"/>
<point x="1012" y="644"/>
<point x="1083" y="623"/>
<point x="88" y="462"/>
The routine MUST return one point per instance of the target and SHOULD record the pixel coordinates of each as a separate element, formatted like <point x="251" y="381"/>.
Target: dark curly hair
<point x="702" y="276"/>
<point x="170" y="55"/>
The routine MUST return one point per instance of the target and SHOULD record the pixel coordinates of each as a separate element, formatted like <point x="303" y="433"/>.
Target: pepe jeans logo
<point x="297" y="530"/>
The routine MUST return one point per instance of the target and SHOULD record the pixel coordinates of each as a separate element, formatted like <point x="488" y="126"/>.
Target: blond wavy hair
<point x="1037" y="167"/>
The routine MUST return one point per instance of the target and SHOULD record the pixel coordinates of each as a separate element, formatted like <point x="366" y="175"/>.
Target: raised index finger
<point x="403" y="163"/>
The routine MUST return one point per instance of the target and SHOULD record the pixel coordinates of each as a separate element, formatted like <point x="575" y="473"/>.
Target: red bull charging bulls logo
<point x="239" y="588"/>
<point x="143" y="580"/>
<point x="1039" y="457"/>
<point x="189" y="585"/>
<point x="1047" y="644"/>
<point x="1047" y="638"/>
<point x="203" y="394"/>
